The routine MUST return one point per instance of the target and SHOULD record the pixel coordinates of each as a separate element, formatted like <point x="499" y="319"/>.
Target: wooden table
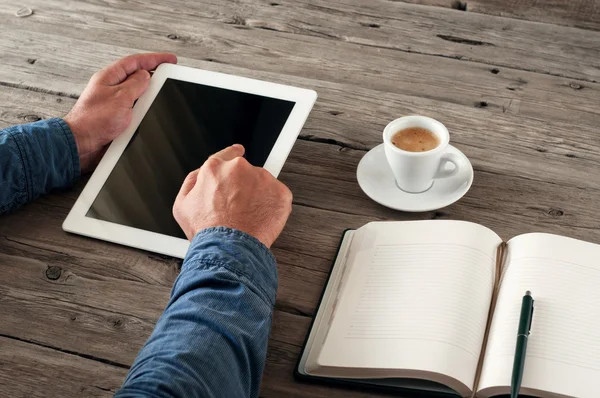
<point x="516" y="82"/>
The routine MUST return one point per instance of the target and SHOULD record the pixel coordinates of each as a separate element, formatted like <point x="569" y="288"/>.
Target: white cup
<point x="416" y="171"/>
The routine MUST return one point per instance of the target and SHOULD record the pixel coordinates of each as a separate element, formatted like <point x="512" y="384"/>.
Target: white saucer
<point x="377" y="180"/>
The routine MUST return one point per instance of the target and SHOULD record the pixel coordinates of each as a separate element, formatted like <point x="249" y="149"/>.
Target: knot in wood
<point x="439" y="214"/>
<point x="459" y="5"/>
<point x="31" y="118"/>
<point x="172" y="36"/>
<point x="370" y="25"/>
<point x="53" y="272"/>
<point x="24" y="12"/>
<point x="575" y="86"/>
<point x="237" y="20"/>
<point x="556" y="212"/>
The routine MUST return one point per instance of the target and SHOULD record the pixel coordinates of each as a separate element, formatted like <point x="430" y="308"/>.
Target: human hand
<point x="228" y="191"/>
<point x="103" y="111"/>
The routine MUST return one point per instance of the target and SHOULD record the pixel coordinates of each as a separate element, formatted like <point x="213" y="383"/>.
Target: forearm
<point x="211" y="340"/>
<point x="35" y="159"/>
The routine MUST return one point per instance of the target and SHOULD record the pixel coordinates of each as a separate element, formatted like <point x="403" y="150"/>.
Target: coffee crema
<point x="415" y="139"/>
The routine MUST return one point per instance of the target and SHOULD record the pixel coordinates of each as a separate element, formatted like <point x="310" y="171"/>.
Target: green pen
<point x="522" y="335"/>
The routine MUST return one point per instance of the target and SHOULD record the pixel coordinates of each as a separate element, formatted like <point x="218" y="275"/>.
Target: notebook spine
<point x="501" y="255"/>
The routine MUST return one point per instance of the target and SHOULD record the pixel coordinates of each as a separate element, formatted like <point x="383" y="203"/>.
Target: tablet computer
<point x="185" y="116"/>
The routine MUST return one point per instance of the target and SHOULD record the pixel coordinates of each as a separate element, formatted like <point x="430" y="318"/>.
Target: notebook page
<point x="563" y="352"/>
<point x="417" y="298"/>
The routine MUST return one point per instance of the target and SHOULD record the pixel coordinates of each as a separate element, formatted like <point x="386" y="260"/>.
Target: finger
<point x="136" y="84"/>
<point x="230" y="153"/>
<point x="188" y="184"/>
<point x="118" y="71"/>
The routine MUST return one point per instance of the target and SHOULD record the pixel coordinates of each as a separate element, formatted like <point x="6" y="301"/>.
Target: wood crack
<point x="38" y="89"/>
<point x="307" y="254"/>
<point x="291" y="172"/>
<point x="69" y="352"/>
<point x="330" y="141"/>
<point x="411" y="51"/>
<point x="132" y="277"/>
<point x="36" y="247"/>
<point x="461" y="40"/>
<point x="306" y="268"/>
<point x="337" y="211"/>
<point x="103" y="388"/>
<point x="112" y="312"/>
<point x="532" y="179"/>
<point x="289" y="309"/>
<point x="479" y="61"/>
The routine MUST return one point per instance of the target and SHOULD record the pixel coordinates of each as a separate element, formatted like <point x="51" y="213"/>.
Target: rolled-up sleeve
<point x="36" y="158"/>
<point x="211" y="340"/>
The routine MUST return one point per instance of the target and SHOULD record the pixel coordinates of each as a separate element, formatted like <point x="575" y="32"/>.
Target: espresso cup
<point x="416" y="171"/>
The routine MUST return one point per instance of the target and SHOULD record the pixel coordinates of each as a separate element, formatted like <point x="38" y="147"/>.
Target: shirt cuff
<point x="70" y="138"/>
<point x="49" y="155"/>
<point x="239" y="253"/>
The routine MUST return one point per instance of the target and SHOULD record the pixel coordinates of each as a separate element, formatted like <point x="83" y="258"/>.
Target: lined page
<point x="417" y="297"/>
<point x="563" y="352"/>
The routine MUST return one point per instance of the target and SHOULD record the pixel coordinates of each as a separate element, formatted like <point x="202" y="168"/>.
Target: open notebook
<point x="434" y="306"/>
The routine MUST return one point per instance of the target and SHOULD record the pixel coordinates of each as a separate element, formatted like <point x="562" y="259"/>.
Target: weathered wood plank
<point x="355" y="115"/>
<point x="304" y="257"/>
<point x="414" y="74"/>
<point x="380" y="24"/>
<point x="31" y="371"/>
<point x="508" y="92"/>
<point x="323" y="176"/>
<point x="312" y="170"/>
<point x="579" y="13"/>
<point x="328" y="162"/>
<point x="73" y="297"/>
<point x="95" y="315"/>
<point x="63" y="315"/>
<point x="532" y="146"/>
<point x="110" y="318"/>
<point x="510" y="205"/>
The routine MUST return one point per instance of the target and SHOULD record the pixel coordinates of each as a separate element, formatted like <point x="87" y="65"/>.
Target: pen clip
<point x="531" y="316"/>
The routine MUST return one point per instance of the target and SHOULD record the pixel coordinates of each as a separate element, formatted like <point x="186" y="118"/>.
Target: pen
<point x="522" y="335"/>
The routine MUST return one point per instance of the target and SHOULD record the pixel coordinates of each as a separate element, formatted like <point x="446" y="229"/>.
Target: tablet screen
<point x="186" y="123"/>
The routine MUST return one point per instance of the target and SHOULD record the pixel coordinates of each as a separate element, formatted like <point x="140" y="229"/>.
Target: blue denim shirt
<point x="211" y="340"/>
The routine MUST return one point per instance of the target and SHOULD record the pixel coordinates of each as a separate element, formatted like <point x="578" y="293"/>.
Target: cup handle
<point x="448" y="158"/>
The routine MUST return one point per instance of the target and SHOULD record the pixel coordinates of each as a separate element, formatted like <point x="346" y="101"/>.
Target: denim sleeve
<point x="211" y="340"/>
<point x="35" y="158"/>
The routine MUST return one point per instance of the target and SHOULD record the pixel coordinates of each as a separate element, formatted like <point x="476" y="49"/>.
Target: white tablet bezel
<point x="77" y="222"/>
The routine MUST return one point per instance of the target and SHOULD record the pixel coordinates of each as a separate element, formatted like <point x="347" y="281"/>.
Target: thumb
<point x="136" y="84"/>
<point x="188" y="184"/>
<point x="230" y="153"/>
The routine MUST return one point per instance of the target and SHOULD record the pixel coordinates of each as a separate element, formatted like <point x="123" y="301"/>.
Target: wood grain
<point x="531" y="136"/>
<point x="322" y="178"/>
<point x="302" y="31"/>
<point x="579" y="13"/>
<point x="32" y="371"/>
<point x="108" y="319"/>
<point x="520" y="99"/>
<point x="326" y="164"/>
